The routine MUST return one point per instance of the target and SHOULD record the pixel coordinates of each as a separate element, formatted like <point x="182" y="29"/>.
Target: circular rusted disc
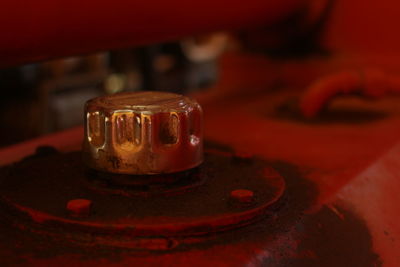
<point x="192" y="203"/>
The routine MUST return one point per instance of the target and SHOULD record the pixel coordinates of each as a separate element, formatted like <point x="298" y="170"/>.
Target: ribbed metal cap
<point x="143" y="133"/>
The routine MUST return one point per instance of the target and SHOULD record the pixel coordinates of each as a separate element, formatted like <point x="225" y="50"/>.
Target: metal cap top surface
<point x="150" y="102"/>
<point x="143" y="133"/>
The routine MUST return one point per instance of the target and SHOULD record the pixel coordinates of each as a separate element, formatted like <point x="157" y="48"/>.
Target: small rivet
<point x="79" y="207"/>
<point x="242" y="196"/>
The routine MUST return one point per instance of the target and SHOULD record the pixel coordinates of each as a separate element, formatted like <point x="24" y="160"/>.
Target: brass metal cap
<point x="143" y="133"/>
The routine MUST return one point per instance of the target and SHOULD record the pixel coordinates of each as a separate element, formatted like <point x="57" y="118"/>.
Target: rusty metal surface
<point x="172" y="212"/>
<point x="340" y="170"/>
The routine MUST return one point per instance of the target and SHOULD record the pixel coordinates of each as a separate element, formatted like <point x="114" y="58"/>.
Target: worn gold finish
<point x="143" y="133"/>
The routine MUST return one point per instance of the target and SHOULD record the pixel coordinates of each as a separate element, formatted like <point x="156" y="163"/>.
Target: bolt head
<point x="79" y="207"/>
<point x="242" y="196"/>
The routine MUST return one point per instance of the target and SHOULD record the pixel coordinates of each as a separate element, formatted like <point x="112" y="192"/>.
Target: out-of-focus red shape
<point x="33" y="30"/>
<point x="364" y="27"/>
<point x="371" y="83"/>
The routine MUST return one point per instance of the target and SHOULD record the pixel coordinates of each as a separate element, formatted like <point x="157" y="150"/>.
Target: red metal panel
<point x="36" y="30"/>
<point x="364" y="26"/>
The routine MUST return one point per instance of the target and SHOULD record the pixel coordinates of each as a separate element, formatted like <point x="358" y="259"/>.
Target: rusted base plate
<point x="224" y="193"/>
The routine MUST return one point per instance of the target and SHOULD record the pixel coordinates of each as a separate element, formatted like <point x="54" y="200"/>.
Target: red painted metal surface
<point x="37" y="30"/>
<point x="363" y="27"/>
<point x="348" y="157"/>
<point x="353" y="163"/>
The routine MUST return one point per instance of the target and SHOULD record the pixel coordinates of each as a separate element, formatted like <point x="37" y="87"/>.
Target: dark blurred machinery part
<point x="54" y="91"/>
<point x="297" y="36"/>
<point x="50" y="94"/>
